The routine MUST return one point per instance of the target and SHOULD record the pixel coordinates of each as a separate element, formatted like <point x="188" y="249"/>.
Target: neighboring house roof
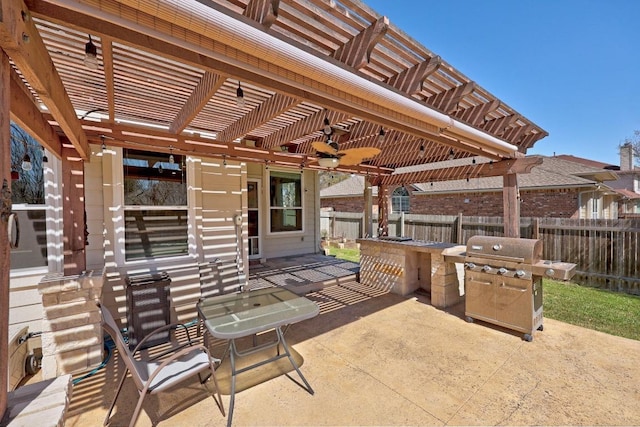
<point x="554" y="172"/>
<point x="351" y="186"/>
<point x="627" y="193"/>
<point x="588" y="162"/>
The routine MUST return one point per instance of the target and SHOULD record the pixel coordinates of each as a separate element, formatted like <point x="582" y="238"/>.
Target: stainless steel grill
<point x="503" y="282"/>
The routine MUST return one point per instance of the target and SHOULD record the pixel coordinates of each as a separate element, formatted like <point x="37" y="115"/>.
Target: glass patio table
<point x="243" y="314"/>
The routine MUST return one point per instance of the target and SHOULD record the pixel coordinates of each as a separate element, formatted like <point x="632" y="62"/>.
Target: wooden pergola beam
<point x="264" y="12"/>
<point x="107" y="61"/>
<point x="208" y="85"/>
<point x="530" y="139"/>
<point x="410" y="80"/>
<point x="482" y="170"/>
<point x="499" y="126"/>
<point x="20" y="39"/>
<point x="269" y="109"/>
<point x="517" y="133"/>
<point x="28" y="116"/>
<point x="306" y="126"/>
<point x="5" y="211"/>
<point x="356" y="52"/>
<point x="128" y="136"/>
<point x="448" y="101"/>
<point x="476" y="115"/>
<point x="136" y="37"/>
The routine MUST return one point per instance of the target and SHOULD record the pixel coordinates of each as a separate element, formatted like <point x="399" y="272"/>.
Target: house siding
<point x="94" y="207"/>
<point x="294" y="243"/>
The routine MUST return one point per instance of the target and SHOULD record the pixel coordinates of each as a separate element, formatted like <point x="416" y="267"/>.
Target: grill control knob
<point x="550" y="272"/>
<point x="486" y="268"/>
<point x="520" y="273"/>
<point x="502" y="270"/>
<point x="470" y="265"/>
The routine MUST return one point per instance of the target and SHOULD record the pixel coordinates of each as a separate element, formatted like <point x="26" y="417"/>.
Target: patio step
<point x="303" y="274"/>
<point x="42" y="404"/>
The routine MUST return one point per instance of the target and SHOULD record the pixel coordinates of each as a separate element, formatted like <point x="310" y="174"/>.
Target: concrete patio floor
<point x="376" y="358"/>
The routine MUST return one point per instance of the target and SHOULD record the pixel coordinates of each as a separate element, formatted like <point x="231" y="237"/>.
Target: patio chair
<point x="156" y="375"/>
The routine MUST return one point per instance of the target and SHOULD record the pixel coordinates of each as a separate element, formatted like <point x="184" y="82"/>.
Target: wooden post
<point x="5" y="210"/>
<point x="383" y="209"/>
<point x="511" y="205"/>
<point x="74" y="218"/>
<point x="368" y="208"/>
<point x="459" y="237"/>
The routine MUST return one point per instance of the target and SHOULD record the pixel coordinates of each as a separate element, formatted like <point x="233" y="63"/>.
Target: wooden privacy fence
<point x="606" y="252"/>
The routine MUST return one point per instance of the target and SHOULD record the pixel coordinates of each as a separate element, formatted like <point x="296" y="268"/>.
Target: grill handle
<point x="496" y="257"/>
<point x="513" y="288"/>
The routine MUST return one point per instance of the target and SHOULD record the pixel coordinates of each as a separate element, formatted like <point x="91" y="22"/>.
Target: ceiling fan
<point x="330" y="156"/>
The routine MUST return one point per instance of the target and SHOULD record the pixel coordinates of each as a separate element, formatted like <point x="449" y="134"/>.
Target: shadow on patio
<point x="376" y="358"/>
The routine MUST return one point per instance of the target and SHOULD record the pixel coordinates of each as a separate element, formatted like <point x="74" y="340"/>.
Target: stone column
<point x="71" y="327"/>
<point x="444" y="282"/>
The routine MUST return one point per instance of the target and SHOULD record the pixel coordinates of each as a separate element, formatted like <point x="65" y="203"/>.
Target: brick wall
<point x="345" y="204"/>
<point x="537" y="203"/>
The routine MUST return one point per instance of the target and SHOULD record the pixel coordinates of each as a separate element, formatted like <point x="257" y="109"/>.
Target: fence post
<point x="458" y="224"/>
<point x="535" y="228"/>
<point x="332" y="224"/>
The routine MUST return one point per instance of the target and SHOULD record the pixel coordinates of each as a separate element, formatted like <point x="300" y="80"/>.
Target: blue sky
<point x="570" y="66"/>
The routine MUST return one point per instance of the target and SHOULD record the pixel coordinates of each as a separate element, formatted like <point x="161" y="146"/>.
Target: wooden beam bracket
<point x="357" y="51"/>
<point x="410" y="80"/>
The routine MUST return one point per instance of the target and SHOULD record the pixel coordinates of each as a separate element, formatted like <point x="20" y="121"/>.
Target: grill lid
<point x="505" y="249"/>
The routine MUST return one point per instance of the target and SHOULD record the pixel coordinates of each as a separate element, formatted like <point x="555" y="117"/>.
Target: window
<point x="285" y="197"/>
<point x="595" y="208"/>
<point x="28" y="201"/>
<point x="400" y="200"/>
<point x="155" y="214"/>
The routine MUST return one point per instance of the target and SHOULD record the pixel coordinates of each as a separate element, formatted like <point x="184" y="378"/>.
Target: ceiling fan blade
<point x="355" y="156"/>
<point x="323" y="147"/>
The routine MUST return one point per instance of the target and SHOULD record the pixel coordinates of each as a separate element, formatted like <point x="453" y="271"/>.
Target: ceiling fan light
<point x="327" y="127"/>
<point x="421" y="152"/>
<point x="381" y="136"/>
<point x="452" y="154"/>
<point x="328" y="162"/>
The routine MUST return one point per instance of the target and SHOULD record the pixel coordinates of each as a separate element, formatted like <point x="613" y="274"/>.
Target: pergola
<point x="168" y="76"/>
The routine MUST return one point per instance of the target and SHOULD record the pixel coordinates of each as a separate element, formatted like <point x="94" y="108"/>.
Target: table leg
<point x="233" y="351"/>
<point x="285" y="347"/>
<point x="232" y="359"/>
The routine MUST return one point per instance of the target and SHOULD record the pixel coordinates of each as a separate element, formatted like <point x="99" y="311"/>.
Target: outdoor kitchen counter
<point x="406" y="266"/>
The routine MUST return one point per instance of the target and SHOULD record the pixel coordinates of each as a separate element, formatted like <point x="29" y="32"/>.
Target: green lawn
<point x="605" y="311"/>
<point x="348" y="254"/>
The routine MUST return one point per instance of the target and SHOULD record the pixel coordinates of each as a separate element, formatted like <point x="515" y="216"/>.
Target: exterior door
<point x="253" y="202"/>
